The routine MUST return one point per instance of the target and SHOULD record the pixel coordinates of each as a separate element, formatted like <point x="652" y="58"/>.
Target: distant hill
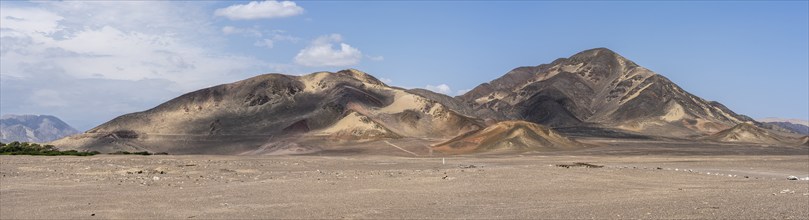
<point x="33" y="128"/>
<point x="791" y="125"/>
<point x="790" y="120"/>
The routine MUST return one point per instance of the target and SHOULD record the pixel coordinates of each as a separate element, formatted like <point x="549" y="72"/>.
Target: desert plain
<point x="639" y="179"/>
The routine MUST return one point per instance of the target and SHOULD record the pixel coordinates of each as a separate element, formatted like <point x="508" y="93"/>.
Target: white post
<point x="443" y="161"/>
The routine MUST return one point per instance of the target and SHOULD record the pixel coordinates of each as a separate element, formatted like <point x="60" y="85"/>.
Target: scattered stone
<point x="155" y="178"/>
<point x="787" y="191"/>
<point x="792" y="178"/>
<point x="467" y="166"/>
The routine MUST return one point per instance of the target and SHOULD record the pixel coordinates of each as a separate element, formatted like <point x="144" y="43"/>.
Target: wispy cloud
<point x="321" y="52"/>
<point x="260" y="10"/>
<point x="442" y="88"/>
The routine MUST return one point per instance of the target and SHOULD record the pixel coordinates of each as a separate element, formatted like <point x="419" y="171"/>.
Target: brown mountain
<point x="599" y="88"/>
<point x="265" y="110"/>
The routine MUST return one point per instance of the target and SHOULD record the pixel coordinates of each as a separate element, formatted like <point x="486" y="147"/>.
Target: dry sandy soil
<point x="483" y="186"/>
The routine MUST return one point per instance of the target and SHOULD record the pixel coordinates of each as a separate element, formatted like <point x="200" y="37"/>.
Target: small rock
<point x="792" y="178"/>
<point x="156" y="178"/>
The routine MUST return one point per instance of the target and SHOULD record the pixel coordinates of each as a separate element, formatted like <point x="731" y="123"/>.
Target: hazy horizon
<point x="88" y="62"/>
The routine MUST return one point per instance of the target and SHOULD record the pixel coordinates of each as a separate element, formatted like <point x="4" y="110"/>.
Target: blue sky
<point x="87" y="62"/>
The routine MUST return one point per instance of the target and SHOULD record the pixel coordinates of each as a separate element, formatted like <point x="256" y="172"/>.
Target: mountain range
<point x="594" y="90"/>
<point x="33" y="128"/>
<point x="797" y="126"/>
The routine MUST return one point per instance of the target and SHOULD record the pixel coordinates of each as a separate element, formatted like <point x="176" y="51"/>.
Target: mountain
<point x="599" y="88"/>
<point x="33" y="128"/>
<point x="278" y="111"/>
<point x="508" y="136"/>
<point x="592" y="93"/>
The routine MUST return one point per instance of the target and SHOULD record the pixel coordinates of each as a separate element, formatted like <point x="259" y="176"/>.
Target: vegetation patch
<point x="25" y="148"/>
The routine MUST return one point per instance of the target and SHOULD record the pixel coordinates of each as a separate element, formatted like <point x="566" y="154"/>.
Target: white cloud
<point x="260" y="10"/>
<point x="30" y="20"/>
<point x="443" y="88"/>
<point x="376" y="58"/>
<point x="92" y="55"/>
<point x="321" y="52"/>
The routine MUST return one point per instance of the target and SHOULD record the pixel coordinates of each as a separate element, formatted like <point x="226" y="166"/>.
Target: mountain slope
<point x="508" y="136"/>
<point x="241" y="116"/>
<point x="33" y="128"/>
<point x="747" y="133"/>
<point x="598" y="87"/>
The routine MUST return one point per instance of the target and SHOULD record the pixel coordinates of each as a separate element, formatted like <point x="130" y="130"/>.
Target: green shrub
<point x="25" y="148"/>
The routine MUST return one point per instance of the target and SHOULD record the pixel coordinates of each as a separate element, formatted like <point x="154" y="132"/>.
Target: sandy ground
<point x="504" y="186"/>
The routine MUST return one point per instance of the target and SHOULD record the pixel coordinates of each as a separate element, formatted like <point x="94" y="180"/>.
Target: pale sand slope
<point x="513" y="186"/>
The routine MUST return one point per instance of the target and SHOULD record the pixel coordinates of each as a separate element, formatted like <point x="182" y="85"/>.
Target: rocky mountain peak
<point x="597" y="86"/>
<point x="33" y="128"/>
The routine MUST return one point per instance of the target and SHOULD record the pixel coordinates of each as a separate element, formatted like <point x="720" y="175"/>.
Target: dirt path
<point x="414" y="154"/>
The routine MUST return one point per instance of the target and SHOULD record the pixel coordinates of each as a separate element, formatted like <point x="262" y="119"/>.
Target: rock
<point x="156" y="178"/>
<point x="792" y="178"/>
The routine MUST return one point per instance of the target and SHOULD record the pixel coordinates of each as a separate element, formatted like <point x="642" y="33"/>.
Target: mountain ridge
<point x="278" y="114"/>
